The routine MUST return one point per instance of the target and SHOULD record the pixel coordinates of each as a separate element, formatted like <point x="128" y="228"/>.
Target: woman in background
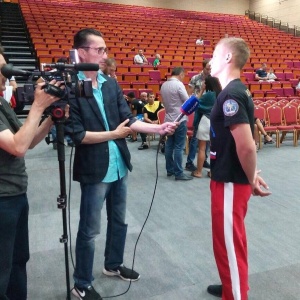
<point x="212" y="87"/>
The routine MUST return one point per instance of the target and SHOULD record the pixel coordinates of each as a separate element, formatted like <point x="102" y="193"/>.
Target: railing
<point x="275" y="23"/>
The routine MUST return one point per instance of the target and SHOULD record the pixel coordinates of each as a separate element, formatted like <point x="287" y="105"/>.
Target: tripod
<point x="58" y="116"/>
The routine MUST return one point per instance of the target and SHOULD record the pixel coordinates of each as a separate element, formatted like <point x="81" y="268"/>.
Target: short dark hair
<point x="205" y="62"/>
<point x="110" y="61"/>
<point x="81" y="37"/>
<point x="131" y="95"/>
<point x="177" y="71"/>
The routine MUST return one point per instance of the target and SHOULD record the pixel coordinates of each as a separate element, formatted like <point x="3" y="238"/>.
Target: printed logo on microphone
<point x="190" y="105"/>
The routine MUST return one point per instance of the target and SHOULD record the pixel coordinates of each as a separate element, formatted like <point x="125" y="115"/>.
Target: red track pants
<point x="228" y="209"/>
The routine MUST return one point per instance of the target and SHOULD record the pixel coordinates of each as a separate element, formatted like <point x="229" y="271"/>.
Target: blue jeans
<point x="92" y="199"/>
<point x="174" y="150"/>
<point x="14" y="247"/>
<point x="192" y="148"/>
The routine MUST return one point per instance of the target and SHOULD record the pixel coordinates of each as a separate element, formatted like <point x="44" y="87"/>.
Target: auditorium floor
<point x="174" y="254"/>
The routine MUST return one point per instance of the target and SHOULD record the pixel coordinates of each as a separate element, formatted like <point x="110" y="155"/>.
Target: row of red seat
<point x="281" y="118"/>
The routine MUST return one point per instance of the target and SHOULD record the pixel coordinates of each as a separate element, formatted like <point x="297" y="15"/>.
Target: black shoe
<point x="143" y="146"/>
<point x="184" y="177"/>
<point x="86" y="293"/>
<point x="123" y="272"/>
<point x="190" y="167"/>
<point x="215" y="290"/>
<point x="132" y="140"/>
<point x="268" y="142"/>
<point x="206" y="165"/>
<point x="170" y="174"/>
<point x="71" y="144"/>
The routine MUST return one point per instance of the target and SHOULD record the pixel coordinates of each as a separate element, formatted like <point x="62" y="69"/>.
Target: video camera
<point x="67" y="73"/>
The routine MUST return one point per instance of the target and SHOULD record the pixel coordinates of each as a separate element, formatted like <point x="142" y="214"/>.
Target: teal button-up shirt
<point x="116" y="168"/>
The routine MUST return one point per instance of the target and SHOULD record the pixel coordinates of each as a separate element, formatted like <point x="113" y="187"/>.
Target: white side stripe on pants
<point x="229" y="242"/>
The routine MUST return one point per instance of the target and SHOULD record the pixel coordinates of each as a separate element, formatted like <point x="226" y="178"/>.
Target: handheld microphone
<point x="9" y="70"/>
<point x="188" y="107"/>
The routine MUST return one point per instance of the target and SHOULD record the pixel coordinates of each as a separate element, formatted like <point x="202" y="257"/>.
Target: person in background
<point x="271" y="75"/>
<point x="15" y="139"/>
<point x="137" y="111"/>
<point x="210" y="89"/>
<point x="140" y="58"/>
<point x="199" y="41"/>
<point x="99" y="126"/>
<point x="150" y="111"/>
<point x="297" y="88"/>
<point x="110" y="68"/>
<point x="195" y="86"/>
<point x="156" y="62"/>
<point x="234" y="176"/>
<point x="11" y="87"/>
<point x="261" y="73"/>
<point x="259" y="127"/>
<point x="174" y="94"/>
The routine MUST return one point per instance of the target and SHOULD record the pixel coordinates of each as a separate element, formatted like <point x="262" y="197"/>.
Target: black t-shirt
<point x="234" y="105"/>
<point x="261" y="73"/>
<point x="137" y="105"/>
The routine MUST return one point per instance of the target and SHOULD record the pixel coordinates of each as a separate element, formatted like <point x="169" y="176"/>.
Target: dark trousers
<point x="14" y="247"/>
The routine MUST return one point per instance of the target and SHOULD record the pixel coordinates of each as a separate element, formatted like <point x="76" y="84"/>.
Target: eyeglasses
<point x="100" y="50"/>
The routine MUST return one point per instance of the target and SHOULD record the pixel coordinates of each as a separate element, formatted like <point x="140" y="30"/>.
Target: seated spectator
<point x="110" y="68"/>
<point x="261" y="73"/>
<point x="271" y="75"/>
<point x="298" y="88"/>
<point x="137" y="110"/>
<point x="156" y="62"/>
<point x="259" y="127"/>
<point x="140" y="58"/>
<point x="150" y="111"/>
<point x="199" y="41"/>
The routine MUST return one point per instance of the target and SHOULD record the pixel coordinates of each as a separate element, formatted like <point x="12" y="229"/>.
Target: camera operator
<point x="15" y="140"/>
<point x="100" y="124"/>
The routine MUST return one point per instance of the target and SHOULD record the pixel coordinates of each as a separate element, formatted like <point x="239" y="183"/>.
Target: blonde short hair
<point x="239" y="48"/>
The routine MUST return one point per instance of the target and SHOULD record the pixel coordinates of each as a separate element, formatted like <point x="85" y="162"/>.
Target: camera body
<point x="73" y="86"/>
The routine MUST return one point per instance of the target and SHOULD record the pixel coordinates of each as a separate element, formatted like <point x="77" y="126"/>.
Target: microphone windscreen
<point x="190" y="105"/>
<point x="8" y="71"/>
<point x="86" y="67"/>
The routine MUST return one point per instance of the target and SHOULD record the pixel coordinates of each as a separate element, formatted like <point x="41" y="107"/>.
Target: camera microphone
<point x="188" y="107"/>
<point x="9" y="70"/>
<point x="76" y="67"/>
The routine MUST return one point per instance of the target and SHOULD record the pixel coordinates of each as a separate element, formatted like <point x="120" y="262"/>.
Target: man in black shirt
<point x="261" y="73"/>
<point x="233" y="169"/>
<point x="137" y="106"/>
